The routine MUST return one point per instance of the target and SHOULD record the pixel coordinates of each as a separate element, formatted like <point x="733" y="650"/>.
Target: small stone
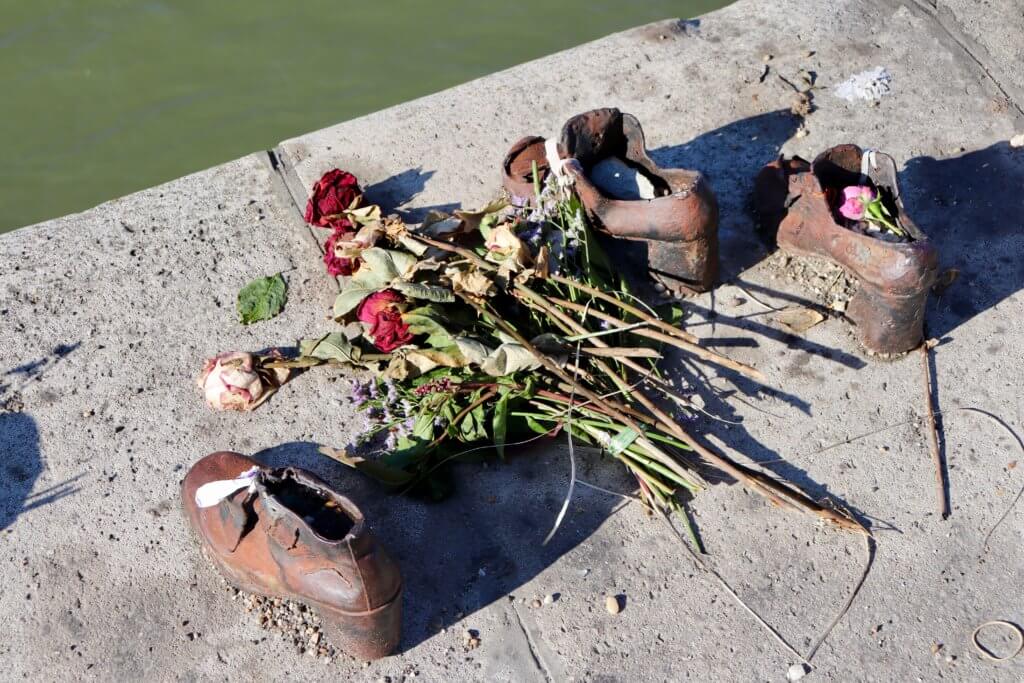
<point x="549" y="598"/>
<point x="802" y="133"/>
<point x="535" y="604"/>
<point x="796" y="672"/>
<point x="1017" y="140"/>
<point x="612" y="604"/>
<point x="766" y="58"/>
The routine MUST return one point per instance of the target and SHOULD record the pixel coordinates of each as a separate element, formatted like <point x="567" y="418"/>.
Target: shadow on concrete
<point x="402" y="188"/>
<point x="482" y="543"/>
<point x="971" y="206"/>
<point x="22" y="461"/>
<point x="22" y="464"/>
<point x="727" y="428"/>
<point x="730" y="157"/>
<point x="21" y="467"/>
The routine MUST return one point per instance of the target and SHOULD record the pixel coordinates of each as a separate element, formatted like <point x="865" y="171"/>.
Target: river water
<point x="105" y="97"/>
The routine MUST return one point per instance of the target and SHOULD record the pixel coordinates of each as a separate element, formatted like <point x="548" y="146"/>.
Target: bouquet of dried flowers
<point x="488" y="325"/>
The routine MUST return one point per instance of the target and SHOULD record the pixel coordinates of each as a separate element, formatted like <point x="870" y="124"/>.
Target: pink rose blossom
<point x="855" y="201"/>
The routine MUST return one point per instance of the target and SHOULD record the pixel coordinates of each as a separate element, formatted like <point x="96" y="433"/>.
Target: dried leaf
<point x="420" y="321"/>
<point x="473" y="351"/>
<point x="349" y="299"/>
<point x="418" y="290"/>
<point x="799" y="320"/>
<point x="381" y="267"/>
<point x="505" y="248"/>
<point x="509" y="358"/>
<point x="333" y="346"/>
<point x="471" y="282"/>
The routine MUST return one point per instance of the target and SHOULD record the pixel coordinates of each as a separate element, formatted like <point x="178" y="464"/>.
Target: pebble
<point x="612" y="604"/>
<point x="796" y="672"/>
<point x="1017" y="140"/>
<point x="470" y="640"/>
<point x="535" y="604"/>
<point x="549" y="598"/>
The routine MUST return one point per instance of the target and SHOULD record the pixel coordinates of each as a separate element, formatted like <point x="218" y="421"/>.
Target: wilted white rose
<point x="231" y="381"/>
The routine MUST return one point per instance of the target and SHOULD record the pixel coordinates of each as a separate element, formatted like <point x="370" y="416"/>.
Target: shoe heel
<point x="367" y="636"/>
<point x="888" y="323"/>
<point x="683" y="266"/>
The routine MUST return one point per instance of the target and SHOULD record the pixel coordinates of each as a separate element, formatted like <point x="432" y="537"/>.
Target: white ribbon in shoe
<point x="557" y="163"/>
<point x="868" y="162"/>
<point x="213" y="492"/>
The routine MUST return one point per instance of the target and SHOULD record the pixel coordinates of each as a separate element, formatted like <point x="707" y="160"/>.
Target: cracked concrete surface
<point x="108" y="314"/>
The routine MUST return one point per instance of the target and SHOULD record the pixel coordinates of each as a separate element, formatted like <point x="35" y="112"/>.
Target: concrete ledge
<point x="108" y="314"/>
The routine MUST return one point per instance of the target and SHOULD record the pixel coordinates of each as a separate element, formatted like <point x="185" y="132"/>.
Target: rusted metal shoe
<point x="798" y="205"/>
<point x="672" y="211"/>
<point x="285" y="533"/>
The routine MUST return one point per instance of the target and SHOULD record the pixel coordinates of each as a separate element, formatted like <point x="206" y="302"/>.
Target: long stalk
<point x="783" y="496"/>
<point x="699" y="351"/>
<point x="632" y="310"/>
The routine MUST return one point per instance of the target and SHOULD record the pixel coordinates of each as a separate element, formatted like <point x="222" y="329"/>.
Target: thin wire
<point x="572" y="448"/>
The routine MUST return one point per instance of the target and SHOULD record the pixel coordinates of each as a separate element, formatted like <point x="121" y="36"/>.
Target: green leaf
<point x="437" y="336"/>
<point x="334" y="346"/>
<point x="621" y="441"/>
<point x="500" y="423"/>
<point x="349" y="299"/>
<point x="472" y="428"/>
<point x="418" y="290"/>
<point x="536" y="426"/>
<point x="262" y="299"/>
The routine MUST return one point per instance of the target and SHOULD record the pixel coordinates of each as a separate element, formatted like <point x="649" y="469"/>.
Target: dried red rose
<point x="344" y="248"/>
<point x="335" y="192"/>
<point x="338" y="265"/>
<point x="381" y="312"/>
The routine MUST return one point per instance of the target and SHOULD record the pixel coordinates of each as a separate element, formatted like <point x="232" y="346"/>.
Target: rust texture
<point x="262" y="545"/>
<point x="679" y="226"/>
<point x="792" y="198"/>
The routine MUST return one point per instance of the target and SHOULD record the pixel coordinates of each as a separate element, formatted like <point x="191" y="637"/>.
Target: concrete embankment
<point x="107" y="316"/>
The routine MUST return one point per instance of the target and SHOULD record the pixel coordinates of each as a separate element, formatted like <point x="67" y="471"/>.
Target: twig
<point x="444" y="246"/>
<point x="695" y="349"/>
<point x="940" y="475"/>
<point x="632" y="310"/>
<point x="484" y="398"/>
<point x="787" y="497"/>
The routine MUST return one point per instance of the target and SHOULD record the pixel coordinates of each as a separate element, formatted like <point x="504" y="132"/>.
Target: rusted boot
<point x="284" y="533"/>
<point x="672" y="211"/>
<point x="799" y="203"/>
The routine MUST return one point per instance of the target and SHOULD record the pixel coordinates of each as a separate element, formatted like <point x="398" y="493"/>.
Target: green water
<point x="104" y="97"/>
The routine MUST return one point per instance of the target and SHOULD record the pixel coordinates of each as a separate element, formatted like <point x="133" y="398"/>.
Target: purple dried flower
<point x="360" y="392"/>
